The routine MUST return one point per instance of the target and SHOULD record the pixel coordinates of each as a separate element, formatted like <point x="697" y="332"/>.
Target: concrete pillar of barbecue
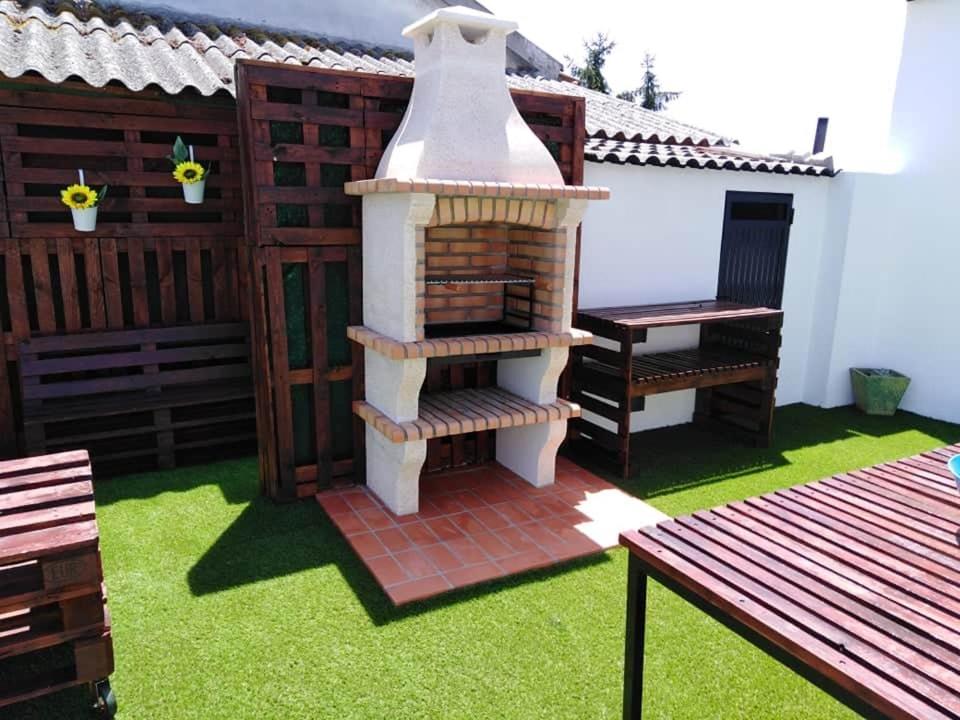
<point x="531" y="451"/>
<point x="391" y="250"/>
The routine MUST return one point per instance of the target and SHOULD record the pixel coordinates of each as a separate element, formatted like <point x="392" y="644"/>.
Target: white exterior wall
<point x="658" y="240"/>
<point x="899" y="300"/>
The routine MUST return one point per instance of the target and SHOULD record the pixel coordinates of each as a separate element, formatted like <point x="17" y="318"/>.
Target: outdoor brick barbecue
<point x="469" y="242"/>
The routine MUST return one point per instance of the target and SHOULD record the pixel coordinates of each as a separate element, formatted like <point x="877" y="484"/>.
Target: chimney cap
<point x="462" y="16"/>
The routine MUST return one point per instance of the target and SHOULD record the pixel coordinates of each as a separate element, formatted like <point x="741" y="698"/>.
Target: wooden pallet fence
<point x="153" y="261"/>
<point x="124" y="146"/>
<point x="308" y="373"/>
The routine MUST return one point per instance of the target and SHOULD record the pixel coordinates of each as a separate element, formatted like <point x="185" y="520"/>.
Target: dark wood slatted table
<point x="642" y="317"/>
<point x="852" y="581"/>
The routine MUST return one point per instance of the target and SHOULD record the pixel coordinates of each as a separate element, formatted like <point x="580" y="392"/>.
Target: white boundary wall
<point x="658" y="240"/>
<point x="898" y="302"/>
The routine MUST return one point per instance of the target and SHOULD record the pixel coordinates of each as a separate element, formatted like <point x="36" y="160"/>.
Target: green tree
<point x="590" y="74"/>
<point x="649" y="95"/>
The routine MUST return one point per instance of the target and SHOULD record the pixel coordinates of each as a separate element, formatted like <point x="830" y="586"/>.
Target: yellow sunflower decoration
<point x="79" y="197"/>
<point x="189" y="172"/>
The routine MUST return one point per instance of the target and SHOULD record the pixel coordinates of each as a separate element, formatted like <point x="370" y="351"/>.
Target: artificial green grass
<point x="227" y="606"/>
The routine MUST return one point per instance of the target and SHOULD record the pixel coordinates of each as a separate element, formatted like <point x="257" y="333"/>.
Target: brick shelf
<point x="465" y="411"/>
<point x="477" y="189"/>
<point x="467" y="345"/>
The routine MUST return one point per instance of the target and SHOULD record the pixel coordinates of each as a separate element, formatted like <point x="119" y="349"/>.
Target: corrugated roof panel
<point x="138" y="50"/>
<point x="698" y="157"/>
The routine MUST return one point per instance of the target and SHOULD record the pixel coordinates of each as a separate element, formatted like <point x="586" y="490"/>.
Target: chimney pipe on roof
<point x="820" y="139"/>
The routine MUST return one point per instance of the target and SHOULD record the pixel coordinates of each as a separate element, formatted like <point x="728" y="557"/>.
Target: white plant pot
<point x="193" y="192"/>
<point x="85" y="220"/>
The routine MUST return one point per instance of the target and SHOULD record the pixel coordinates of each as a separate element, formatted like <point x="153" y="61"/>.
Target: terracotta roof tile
<point x="694" y="156"/>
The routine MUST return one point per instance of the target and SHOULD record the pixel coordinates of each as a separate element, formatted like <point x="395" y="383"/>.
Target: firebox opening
<point x="488" y="278"/>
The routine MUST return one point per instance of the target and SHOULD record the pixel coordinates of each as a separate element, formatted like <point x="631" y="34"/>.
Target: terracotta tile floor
<point x="481" y="523"/>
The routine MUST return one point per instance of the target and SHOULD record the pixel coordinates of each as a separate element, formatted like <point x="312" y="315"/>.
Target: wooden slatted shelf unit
<point x="465" y="411"/>
<point x="54" y="624"/>
<point x="734" y="369"/>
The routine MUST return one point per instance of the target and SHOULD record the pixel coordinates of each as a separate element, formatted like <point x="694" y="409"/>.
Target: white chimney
<point x="461" y="123"/>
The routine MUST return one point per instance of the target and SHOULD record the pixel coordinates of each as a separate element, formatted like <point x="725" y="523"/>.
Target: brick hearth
<point x="482" y="523"/>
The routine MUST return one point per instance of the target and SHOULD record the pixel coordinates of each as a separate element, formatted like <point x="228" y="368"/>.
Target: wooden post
<point x="623" y="427"/>
<point x="8" y="437"/>
<point x="633" y="652"/>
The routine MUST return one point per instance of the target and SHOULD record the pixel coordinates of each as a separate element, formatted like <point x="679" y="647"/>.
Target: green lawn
<point x="226" y="606"/>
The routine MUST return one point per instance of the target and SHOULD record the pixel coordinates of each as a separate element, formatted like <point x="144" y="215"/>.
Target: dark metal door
<point x="753" y="253"/>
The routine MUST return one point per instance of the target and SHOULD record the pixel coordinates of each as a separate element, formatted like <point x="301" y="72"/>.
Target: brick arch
<point x="510" y="211"/>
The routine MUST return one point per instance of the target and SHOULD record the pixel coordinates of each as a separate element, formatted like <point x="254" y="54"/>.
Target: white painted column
<point x="393" y="471"/>
<point x="531" y="451"/>
<point x="393" y="386"/>
<point x="390" y="225"/>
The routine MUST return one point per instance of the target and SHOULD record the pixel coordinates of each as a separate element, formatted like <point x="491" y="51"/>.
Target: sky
<point x="761" y="71"/>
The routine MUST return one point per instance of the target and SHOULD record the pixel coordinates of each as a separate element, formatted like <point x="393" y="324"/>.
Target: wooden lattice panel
<point x="124" y="145"/>
<point x="305" y="139"/>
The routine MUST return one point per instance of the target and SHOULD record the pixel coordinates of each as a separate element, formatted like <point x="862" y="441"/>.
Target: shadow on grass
<point x="146" y="485"/>
<point x="677" y="458"/>
<point x="268" y="541"/>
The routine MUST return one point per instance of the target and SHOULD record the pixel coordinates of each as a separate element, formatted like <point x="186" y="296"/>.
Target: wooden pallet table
<point x="734" y="369"/>
<point x="54" y="622"/>
<point x="850" y="581"/>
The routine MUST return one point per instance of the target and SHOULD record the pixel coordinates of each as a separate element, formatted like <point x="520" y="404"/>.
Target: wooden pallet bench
<point x="733" y="370"/>
<point x="850" y="581"/>
<point x="129" y="396"/>
<point x="54" y="622"/>
<point x="465" y="411"/>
